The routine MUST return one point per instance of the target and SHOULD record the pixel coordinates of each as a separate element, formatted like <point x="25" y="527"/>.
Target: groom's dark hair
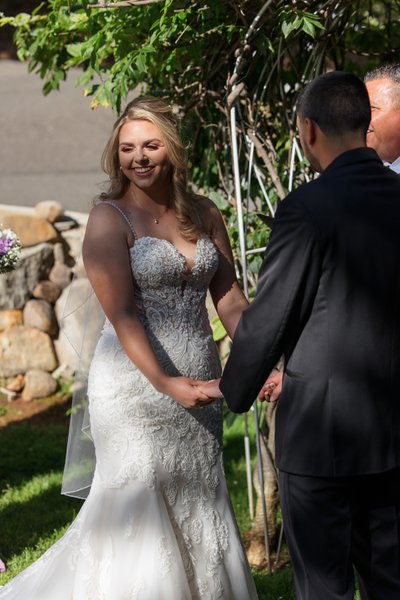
<point x="337" y="102"/>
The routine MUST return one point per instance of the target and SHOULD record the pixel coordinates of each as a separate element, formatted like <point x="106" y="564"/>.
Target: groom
<point x="328" y="300"/>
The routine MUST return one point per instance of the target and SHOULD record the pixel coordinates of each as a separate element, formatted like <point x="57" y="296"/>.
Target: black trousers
<point x="335" y="525"/>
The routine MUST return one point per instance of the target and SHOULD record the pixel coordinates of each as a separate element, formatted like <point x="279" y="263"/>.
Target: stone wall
<point x="33" y="352"/>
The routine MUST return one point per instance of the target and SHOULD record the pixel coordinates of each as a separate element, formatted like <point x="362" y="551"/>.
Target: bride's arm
<point x="107" y="263"/>
<point x="225" y="291"/>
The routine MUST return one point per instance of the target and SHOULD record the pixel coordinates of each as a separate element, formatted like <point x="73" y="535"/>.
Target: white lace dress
<point x="158" y="523"/>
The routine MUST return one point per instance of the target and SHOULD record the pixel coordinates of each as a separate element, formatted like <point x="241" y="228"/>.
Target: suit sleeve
<point x="287" y="284"/>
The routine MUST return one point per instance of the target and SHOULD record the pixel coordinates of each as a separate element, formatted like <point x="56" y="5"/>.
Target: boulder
<point x="23" y="348"/>
<point x="16" y="384"/>
<point x="49" y="210"/>
<point x="60" y="275"/>
<point x="46" y="290"/>
<point x="38" y="384"/>
<point x="8" y="318"/>
<point x="74" y="239"/>
<point x="59" y="255"/>
<point x="31" y="230"/>
<point x="40" y="314"/>
<point x="17" y="286"/>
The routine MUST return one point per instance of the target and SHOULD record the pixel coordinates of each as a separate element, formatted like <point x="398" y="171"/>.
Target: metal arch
<point x="295" y="154"/>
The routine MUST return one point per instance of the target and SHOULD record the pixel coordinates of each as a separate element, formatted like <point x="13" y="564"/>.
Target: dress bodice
<point x="167" y="291"/>
<point x="170" y="296"/>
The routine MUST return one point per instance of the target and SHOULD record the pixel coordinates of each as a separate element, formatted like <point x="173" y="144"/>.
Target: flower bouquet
<point x="10" y="250"/>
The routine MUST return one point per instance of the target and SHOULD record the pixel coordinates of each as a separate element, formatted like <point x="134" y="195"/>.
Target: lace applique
<point x="149" y="437"/>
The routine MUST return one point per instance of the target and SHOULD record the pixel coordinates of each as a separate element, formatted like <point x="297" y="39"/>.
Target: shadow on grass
<point x="23" y="524"/>
<point x="31" y="463"/>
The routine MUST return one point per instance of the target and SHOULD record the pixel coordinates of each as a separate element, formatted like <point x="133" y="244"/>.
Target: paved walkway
<point x="50" y="146"/>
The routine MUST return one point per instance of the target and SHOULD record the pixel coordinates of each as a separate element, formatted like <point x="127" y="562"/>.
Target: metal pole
<point x="248" y="467"/>
<point x="236" y="172"/>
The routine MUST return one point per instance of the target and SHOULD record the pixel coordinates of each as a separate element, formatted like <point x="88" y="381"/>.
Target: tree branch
<point x="268" y="163"/>
<point x="105" y="4"/>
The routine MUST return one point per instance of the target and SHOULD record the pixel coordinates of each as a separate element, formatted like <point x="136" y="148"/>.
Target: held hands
<point x="190" y="393"/>
<point x="271" y="390"/>
<point x="211" y="388"/>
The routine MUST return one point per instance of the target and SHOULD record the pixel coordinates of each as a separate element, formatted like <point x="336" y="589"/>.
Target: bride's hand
<point x="211" y="388"/>
<point x="272" y="388"/>
<point x="186" y="391"/>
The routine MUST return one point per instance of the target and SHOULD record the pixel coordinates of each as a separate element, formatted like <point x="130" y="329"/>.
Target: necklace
<point x="156" y="220"/>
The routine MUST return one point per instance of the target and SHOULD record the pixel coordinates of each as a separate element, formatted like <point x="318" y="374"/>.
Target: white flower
<point x="10" y="250"/>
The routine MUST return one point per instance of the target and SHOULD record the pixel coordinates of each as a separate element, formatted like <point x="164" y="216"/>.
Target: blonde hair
<point x="191" y="210"/>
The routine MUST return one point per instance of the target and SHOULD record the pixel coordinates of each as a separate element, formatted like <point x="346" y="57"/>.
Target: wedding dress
<point x="158" y="523"/>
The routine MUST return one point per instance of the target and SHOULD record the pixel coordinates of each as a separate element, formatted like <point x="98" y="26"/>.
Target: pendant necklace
<point x="156" y="220"/>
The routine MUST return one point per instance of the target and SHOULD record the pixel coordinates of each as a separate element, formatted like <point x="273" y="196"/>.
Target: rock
<point x="74" y="240"/>
<point x="8" y="393"/>
<point x="30" y="230"/>
<point x="65" y="224"/>
<point x="17" y="286"/>
<point x="16" y="384"/>
<point x="40" y="314"/>
<point x="38" y="384"/>
<point x="61" y="275"/>
<point x="8" y="318"/>
<point x="49" y="210"/>
<point x="59" y="256"/>
<point x="45" y="290"/>
<point x="23" y="348"/>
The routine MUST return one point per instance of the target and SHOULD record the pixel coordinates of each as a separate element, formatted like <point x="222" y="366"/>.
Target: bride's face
<point x="142" y="155"/>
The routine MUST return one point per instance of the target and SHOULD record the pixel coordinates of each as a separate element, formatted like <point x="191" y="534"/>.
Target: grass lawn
<point x="33" y="514"/>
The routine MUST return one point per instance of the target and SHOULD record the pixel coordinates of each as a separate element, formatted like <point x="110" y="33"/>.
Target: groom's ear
<point x="310" y="131"/>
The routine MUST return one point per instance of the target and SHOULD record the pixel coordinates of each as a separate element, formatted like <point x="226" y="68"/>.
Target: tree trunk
<point x="257" y="552"/>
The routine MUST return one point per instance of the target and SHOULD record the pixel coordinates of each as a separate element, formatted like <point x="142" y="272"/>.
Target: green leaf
<point x="308" y="27"/>
<point x="287" y="28"/>
<point x="219" y="331"/>
<point x="75" y="50"/>
<point x="141" y="62"/>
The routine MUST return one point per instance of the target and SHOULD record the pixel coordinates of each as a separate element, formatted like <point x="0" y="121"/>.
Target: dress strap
<point x="124" y="214"/>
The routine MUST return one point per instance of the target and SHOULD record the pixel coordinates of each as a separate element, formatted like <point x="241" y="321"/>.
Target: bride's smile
<point x="143" y="156"/>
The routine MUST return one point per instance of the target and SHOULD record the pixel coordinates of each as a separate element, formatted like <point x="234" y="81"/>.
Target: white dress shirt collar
<point x="395" y="165"/>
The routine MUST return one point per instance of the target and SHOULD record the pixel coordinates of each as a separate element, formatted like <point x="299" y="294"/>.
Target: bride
<point x="157" y="523"/>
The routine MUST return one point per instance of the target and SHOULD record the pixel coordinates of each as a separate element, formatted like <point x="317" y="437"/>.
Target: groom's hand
<point x="271" y="390"/>
<point x="211" y="388"/>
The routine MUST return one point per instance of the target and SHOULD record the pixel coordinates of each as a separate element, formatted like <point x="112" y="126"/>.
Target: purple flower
<point x="5" y="245"/>
<point x="10" y="250"/>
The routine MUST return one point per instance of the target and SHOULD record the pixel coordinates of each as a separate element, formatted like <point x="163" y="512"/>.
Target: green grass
<point x="278" y="586"/>
<point x="33" y="514"/>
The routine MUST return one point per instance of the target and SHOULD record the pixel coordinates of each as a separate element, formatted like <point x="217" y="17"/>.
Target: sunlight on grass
<point x="26" y="491"/>
<point x="34" y="515"/>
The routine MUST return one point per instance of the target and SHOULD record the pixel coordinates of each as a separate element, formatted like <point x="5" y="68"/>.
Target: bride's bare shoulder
<point x="105" y="215"/>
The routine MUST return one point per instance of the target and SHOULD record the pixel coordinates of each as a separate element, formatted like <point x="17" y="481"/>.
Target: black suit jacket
<point x="328" y="300"/>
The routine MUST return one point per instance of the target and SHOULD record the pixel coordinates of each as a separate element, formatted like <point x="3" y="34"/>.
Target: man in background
<point x="383" y="85"/>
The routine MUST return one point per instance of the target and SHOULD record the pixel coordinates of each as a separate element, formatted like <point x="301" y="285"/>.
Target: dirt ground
<point x="45" y="411"/>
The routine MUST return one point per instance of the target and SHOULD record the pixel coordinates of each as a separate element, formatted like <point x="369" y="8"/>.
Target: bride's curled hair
<point x="190" y="209"/>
